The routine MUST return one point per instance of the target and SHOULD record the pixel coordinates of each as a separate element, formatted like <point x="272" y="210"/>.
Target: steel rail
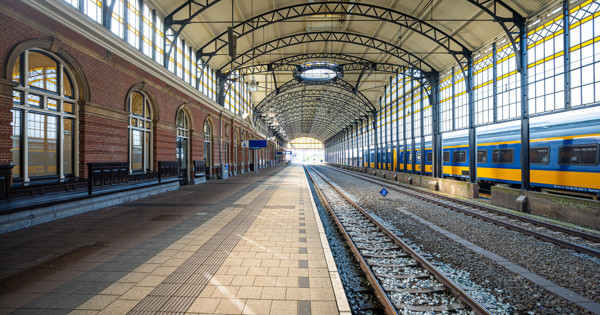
<point x="439" y="276"/>
<point x="417" y="193"/>
<point x="388" y="306"/>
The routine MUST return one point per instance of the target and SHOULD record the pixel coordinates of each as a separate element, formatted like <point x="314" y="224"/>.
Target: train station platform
<point x="251" y="244"/>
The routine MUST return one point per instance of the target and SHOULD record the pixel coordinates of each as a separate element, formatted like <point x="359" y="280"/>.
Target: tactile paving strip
<point x="180" y="289"/>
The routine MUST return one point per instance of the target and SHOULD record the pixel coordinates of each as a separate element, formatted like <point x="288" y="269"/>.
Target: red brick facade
<point x="104" y="82"/>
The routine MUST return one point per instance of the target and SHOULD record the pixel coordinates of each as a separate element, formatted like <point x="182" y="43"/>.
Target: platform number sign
<point x="383" y="192"/>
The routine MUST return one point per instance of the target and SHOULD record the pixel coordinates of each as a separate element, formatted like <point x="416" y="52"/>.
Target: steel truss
<point x="289" y="107"/>
<point x="315" y="126"/>
<point x="343" y="37"/>
<point x="342" y="85"/>
<point x="512" y="25"/>
<point x="450" y="44"/>
<point x="323" y="95"/>
<point x="288" y="64"/>
<point x="315" y="109"/>
<point x="190" y="9"/>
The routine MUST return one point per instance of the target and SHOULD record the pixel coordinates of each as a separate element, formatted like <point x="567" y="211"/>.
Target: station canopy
<point x="321" y="66"/>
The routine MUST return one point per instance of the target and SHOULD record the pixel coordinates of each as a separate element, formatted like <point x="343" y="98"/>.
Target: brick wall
<point x="103" y="133"/>
<point x="5" y="129"/>
<point x="101" y="139"/>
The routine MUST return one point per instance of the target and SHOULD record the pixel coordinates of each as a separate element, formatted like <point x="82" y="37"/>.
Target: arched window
<point x="44" y="118"/>
<point x="140" y="132"/>
<point x="208" y="146"/>
<point x="235" y="151"/>
<point x="183" y="131"/>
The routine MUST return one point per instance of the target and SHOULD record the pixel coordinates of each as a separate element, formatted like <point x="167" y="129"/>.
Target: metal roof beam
<point x="344" y="37"/>
<point x="426" y="29"/>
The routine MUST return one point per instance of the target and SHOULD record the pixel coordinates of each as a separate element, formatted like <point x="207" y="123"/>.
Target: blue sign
<point x="257" y="144"/>
<point x="383" y="192"/>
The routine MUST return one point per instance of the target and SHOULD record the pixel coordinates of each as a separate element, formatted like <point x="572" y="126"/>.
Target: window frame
<point x="147" y="143"/>
<point x="454" y="156"/>
<point x="540" y="147"/>
<point x="23" y="90"/>
<point x="495" y="151"/>
<point x="580" y="145"/>
<point x="486" y="156"/>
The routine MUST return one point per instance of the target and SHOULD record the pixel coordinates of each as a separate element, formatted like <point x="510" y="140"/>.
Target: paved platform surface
<point x="250" y="244"/>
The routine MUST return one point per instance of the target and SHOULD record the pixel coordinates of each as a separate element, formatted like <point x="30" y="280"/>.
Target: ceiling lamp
<point x="253" y="85"/>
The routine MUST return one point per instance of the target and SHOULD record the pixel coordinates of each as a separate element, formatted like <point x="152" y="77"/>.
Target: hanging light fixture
<point x="253" y="84"/>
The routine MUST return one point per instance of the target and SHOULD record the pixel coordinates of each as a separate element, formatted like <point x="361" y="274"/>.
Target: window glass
<point x="43" y="116"/>
<point x="133" y="27"/>
<point x="207" y="146"/>
<point x="42" y="154"/>
<point x="116" y="25"/>
<point x="67" y="146"/>
<point x="67" y="87"/>
<point x="584" y="25"/>
<point x="137" y="104"/>
<point x="148" y="151"/>
<point x="68" y="107"/>
<point x="429" y="156"/>
<point x="136" y="150"/>
<point x="445" y="105"/>
<point x="17" y="97"/>
<point x="34" y="100"/>
<point x="42" y="72"/>
<point x="180" y="119"/>
<point x="539" y="155"/>
<point x="16" y="73"/>
<point x="52" y="104"/>
<point x="503" y="156"/>
<point x="482" y="156"/>
<point x="140" y="132"/>
<point x="446" y="156"/>
<point x="459" y="156"/>
<point x="579" y="154"/>
<point x="93" y="8"/>
<point x="147" y="31"/>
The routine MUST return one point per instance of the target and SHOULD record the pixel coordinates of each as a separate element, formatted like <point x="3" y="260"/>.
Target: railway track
<point x="549" y="232"/>
<point x="402" y="279"/>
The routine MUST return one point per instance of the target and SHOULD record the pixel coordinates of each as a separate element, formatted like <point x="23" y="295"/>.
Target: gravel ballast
<point x="579" y="273"/>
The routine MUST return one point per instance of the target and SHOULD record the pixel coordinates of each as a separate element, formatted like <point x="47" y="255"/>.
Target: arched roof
<point x="370" y="39"/>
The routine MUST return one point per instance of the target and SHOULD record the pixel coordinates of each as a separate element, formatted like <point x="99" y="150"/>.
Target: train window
<point x="459" y="156"/>
<point x="418" y="156"/>
<point x="481" y="156"/>
<point x="503" y="156"/>
<point x="578" y="154"/>
<point x="539" y="155"/>
<point x="446" y="156"/>
<point x="428" y="157"/>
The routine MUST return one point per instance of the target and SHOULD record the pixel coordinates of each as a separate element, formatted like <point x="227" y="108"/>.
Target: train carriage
<point x="563" y="155"/>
